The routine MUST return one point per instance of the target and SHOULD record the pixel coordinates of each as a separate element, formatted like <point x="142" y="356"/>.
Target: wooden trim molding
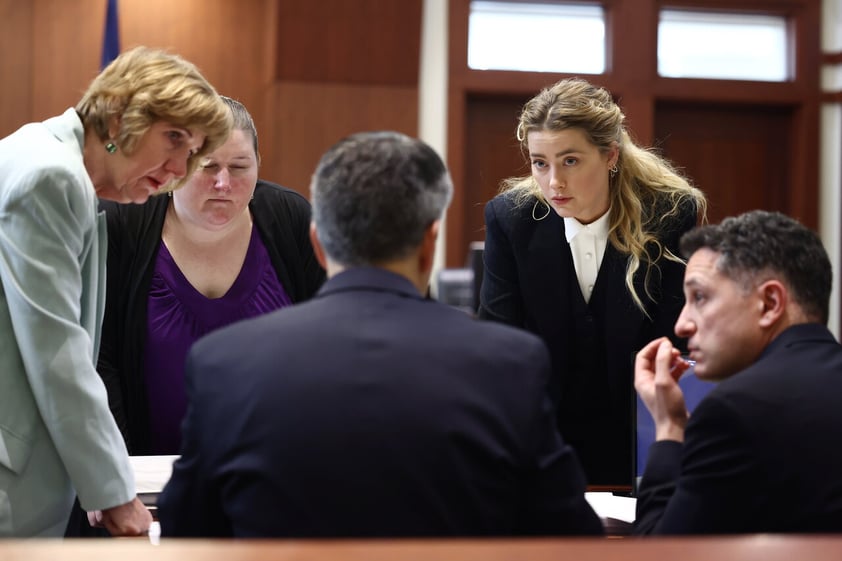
<point x="832" y="58"/>
<point x="831" y="97"/>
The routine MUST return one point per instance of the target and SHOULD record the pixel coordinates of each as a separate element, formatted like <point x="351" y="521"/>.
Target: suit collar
<point x="370" y="279"/>
<point x="67" y="128"/>
<point x="799" y="333"/>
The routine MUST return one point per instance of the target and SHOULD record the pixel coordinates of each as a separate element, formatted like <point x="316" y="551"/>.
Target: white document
<point x="151" y="473"/>
<point x="609" y="505"/>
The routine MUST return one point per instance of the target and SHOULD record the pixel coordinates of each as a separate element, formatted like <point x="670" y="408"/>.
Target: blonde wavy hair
<point x="645" y="191"/>
<point x="143" y="86"/>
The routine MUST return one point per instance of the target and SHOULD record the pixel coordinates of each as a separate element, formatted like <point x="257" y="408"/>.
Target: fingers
<point x="656" y="374"/>
<point x="645" y="363"/>
<point x="130" y="519"/>
<point x="664" y="358"/>
<point x="95" y="519"/>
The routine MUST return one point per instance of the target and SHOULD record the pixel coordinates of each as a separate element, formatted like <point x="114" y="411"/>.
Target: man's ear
<point x="317" y="246"/>
<point x="773" y="301"/>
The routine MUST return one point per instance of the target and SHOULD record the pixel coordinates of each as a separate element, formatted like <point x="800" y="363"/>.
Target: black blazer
<point x="761" y="452"/>
<point x="281" y="216"/>
<point x="529" y="281"/>
<point x="370" y="411"/>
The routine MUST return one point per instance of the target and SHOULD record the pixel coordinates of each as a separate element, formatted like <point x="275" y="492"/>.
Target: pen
<point x="690" y="363"/>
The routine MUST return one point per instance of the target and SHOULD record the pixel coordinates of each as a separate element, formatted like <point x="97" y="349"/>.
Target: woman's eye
<point x="570" y="161"/>
<point x="210" y="166"/>
<point x="538" y="163"/>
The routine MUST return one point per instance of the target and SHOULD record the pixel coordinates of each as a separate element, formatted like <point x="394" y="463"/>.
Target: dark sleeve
<point x="312" y="272"/>
<point x="554" y="491"/>
<point x="109" y="348"/>
<point x="702" y="486"/>
<point x="190" y="505"/>
<point x="283" y="218"/>
<point x="500" y="298"/>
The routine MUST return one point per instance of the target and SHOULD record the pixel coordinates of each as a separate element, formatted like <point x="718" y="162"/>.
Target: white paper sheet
<point x="151" y="473"/>
<point x="608" y="505"/>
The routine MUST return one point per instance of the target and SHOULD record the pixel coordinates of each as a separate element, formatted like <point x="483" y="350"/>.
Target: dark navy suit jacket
<point x="370" y="411"/>
<point x="530" y="282"/>
<point x="761" y="452"/>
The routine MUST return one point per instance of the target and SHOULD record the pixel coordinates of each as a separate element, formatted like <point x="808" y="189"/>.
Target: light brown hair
<point x="143" y="86"/>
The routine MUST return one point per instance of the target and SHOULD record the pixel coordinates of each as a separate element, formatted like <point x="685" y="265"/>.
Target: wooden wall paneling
<point x="455" y="239"/>
<point x="493" y="154"/>
<point x="340" y="67"/>
<point x="639" y="108"/>
<point x="17" y="41"/>
<point x="806" y="21"/>
<point x="740" y="156"/>
<point x="226" y="40"/>
<point x="803" y="180"/>
<point x="61" y="46"/>
<point x="360" y="42"/>
<point x="67" y="42"/>
<point x="236" y="46"/>
<point x="632" y="39"/>
<point x="511" y="82"/>
<point x="310" y="117"/>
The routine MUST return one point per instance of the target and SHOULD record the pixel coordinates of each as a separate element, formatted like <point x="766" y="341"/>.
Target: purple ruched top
<point x="178" y="315"/>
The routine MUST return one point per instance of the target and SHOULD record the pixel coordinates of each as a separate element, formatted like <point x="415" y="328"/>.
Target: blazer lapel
<point x="547" y="278"/>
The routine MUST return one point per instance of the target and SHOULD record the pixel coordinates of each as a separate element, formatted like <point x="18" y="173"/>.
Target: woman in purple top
<point x="224" y="247"/>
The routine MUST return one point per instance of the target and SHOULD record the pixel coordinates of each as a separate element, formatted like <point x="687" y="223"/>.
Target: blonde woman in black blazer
<point x="595" y="304"/>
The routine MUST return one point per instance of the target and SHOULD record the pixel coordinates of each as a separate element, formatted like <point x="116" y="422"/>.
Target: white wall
<point x="432" y="94"/>
<point x="830" y="173"/>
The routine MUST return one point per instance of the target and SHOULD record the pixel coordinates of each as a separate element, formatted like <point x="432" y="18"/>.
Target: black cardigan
<point x="282" y="217"/>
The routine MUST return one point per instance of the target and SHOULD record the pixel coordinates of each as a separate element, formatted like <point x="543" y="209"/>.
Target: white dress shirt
<point x="587" y="244"/>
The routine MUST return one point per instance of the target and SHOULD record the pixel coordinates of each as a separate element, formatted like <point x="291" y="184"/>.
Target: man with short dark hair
<point x="761" y="452"/>
<point x="370" y="410"/>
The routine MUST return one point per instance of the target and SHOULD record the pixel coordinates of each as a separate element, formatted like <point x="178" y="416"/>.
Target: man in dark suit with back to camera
<point x="761" y="452"/>
<point x="370" y="410"/>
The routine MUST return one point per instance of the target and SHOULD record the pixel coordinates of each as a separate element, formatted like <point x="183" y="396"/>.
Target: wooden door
<point x="736" y="154"/>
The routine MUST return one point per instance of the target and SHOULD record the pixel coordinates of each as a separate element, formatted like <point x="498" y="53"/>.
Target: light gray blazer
<point x="57" y="435"/>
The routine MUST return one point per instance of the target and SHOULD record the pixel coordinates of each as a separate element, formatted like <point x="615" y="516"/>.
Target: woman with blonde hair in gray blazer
<point x="141" y="126"/>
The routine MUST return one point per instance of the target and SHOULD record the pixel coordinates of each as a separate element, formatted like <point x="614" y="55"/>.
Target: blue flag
<point x="111" y="36"/>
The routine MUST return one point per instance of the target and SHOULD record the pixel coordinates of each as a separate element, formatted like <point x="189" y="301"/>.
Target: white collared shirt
<point x="587" y="244"/>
